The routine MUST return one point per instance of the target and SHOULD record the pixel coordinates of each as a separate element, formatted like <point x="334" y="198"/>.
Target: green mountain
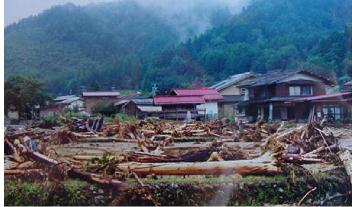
<point x="69" y="46"/>
<point x="129" y="46"/>
<point x="268" y="34"/>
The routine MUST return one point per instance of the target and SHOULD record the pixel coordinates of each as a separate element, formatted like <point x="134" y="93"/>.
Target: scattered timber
<point x="261" y="166"/>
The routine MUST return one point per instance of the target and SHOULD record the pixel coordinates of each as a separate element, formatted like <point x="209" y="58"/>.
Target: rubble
<point x="30" y="151"/>
<point x="305" y="144"/>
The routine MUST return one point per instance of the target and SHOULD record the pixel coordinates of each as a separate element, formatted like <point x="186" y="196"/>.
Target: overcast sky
<point x="18" y="9"/>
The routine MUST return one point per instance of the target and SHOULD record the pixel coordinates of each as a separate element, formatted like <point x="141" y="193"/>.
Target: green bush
<point x="104" y="109"/>
<point x="70" y="115"/>
<point x="124" y="117"/>
<point x="50" y="120"/>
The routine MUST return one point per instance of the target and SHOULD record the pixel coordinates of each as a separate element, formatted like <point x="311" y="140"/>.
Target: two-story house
<point x="229" y="89"/>
<point x="268" y="95"/>
<point x="200" y="102"/>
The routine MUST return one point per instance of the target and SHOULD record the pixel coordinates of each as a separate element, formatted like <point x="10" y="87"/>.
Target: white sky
<point x="18" y="9"/>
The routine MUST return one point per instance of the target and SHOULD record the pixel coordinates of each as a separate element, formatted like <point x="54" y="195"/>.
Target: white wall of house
<point x="211" y="109"/>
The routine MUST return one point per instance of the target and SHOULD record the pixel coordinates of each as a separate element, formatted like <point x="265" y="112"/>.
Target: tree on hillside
<point x="22" y="94"/>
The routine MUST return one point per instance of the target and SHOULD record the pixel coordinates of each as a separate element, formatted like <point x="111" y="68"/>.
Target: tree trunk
<point x="261" y="166"/>
<point x="77" y="173"/>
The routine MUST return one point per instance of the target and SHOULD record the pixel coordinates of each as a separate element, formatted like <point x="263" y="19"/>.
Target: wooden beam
<point x="261" y="166"/>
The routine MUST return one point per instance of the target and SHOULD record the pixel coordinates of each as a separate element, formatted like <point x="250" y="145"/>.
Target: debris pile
<point x="29" y="152"/>
<point x="155" y="129"/>
<point x="305" y="144"/>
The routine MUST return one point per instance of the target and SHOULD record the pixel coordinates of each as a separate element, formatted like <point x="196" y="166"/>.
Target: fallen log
<point x="260" y="166"/>
<point x="22" y="171"/>
<point x="15" y="153"/>
<point x="346" y="159"/>
<point x="27" y="174"/>
<point x="77" y="173"/>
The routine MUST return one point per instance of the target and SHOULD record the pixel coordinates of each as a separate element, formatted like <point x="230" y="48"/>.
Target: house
<point x="139" y="108"/>
<point x="267" y="96"/>
<point x="177" y="107"/>
<point x="72" y="103"/>
<point x="337" y="106"/>
<point x="61" y="103"/>
<point x="229" y="89"/>
<point x="200" y="102"/>
<point x="211" y="98"/>
<point x="94" y="98"/>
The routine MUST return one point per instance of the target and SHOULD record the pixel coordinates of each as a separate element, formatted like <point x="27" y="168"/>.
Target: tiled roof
<point x="61" y="98"/>
<point x="207" y="93"/>
<point x="100" y="93"/>
<point x="69" y="100"/>
<point x="278" y="75"/>
<point x="143" y="101"/>
<point x="234" y="79"/>
<point x="170" y="100"/>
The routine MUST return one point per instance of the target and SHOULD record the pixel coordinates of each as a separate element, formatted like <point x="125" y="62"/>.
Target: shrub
<point x="104" y="109"/>
<point x="124" y="117"/>
<point x="49" y="120"/>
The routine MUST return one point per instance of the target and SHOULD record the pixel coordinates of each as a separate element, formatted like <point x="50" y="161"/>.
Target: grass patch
<point x="210" y="180"/>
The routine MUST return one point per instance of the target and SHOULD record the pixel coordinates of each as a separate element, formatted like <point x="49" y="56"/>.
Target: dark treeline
<point x="128" y="46"/>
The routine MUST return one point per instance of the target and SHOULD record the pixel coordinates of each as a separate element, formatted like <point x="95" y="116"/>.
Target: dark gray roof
<point x="234" y="79"/>
<point x="276" y="76"/>
<point x="143" y="101"/>
<point x="137" y="101"/>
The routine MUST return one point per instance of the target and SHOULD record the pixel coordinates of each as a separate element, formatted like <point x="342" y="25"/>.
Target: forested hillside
<point x="129" y="46"/>
<point x="275" y="34"/>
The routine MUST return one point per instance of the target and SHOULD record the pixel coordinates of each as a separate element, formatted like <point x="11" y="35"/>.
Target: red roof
<point x="169" y="100"/>
<point x="207" y="93"/>
<point x="326" y="96"/>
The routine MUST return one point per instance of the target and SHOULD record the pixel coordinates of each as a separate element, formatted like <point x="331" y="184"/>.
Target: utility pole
<point x="154" y="89"/>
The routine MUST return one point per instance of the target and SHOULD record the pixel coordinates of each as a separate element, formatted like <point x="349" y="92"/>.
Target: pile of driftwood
<point x="156" y="128"/>
<point x="151" y="131"/>
<point x="30" y="152"/>
<point x="31" y="159"/>
<point x="305" y="144"/>
<point x="31" y="155"/>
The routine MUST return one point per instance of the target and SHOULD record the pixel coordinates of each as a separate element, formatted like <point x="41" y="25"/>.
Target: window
<point x="261" y="92"/>
<point x="307" y="90"/>
<point x="332" y="111"/>
<point x="243" y="91"/>
<point x="240" y="110"/>
<point x="300" y="90"/>
<point x="295" y="90"/>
